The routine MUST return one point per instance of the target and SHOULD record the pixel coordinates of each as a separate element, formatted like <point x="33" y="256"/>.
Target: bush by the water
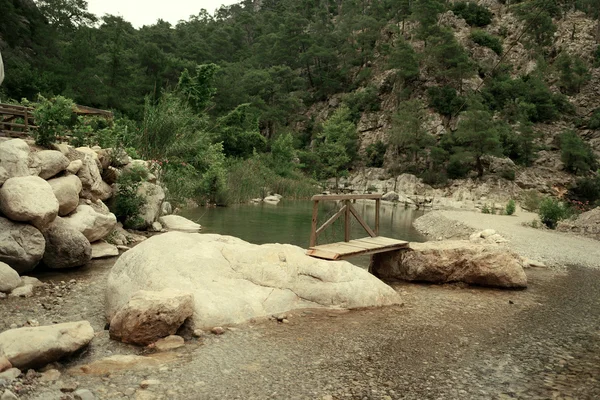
<point x="128" y="203"/>
<point x="510" y="207"/>
<point x="551" y="211"/>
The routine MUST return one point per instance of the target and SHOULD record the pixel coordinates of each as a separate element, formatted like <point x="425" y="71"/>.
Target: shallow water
<point x="290" y="222"/>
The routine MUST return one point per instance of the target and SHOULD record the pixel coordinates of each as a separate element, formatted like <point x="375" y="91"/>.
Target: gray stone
<point x="166" y="208"/>
<point x="84" y="394"/>
<point x="28" y="199"/>
<point x="16" y="160"/>
<point x="272" y="199"/>
<point x="74" y="166"/>
<point x="95" y="222"/>
<point x="9" y="278"/>
<point x="10" y="374"/>
<point x="171" y="342"/>
<point x="93" y="187"/>
<point x="8" y="395"/>
<point x="22" y="291"/>
<point x="66" y="247"/>
<point x="390" y="196"/>
<point x="154" y="196"/>
<point x="52" y="163"/>
<point x="180" y="224"/>
<point x="21" y="245"/>
<point x="3" y="176"/>
<point x="102" y="249"/>
<point x="66" y="189"/>
<point x="156" y="227"/>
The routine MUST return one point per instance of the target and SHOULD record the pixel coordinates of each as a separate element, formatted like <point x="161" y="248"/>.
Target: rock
<point x="21" y="245"/>
<point x="533" y="263"/>
<point x="3" y="176"/>
<point x="36" y="347"/>
<point x="149" y="382"/>
<point x="10" y="374"/>
<point x="93" y="187"/>
<point x="8" y="395"/>
<point x="50" y="375"/>
<point x="52" y="162"/>
<point x="586" y="224"/>
<point x="68" y="387"/>
<point x="487" y="233"/>
<point x="217" y="330"/>
<point x="92" y="222"/>
<point x="4" y="364"/>
<point x="119" y="158"/>
<point x="390" y="196"/>
<point x="9" y="279"/>
<point x="66" y="247"/>
<point x="180" y="224"/>
<point x="102" y="249"/>
<point x="169" y="343"/>
<point x="272" y="199"/>
<point x="156" y="227"/>
<point x="66" y="190"/>
<point x="234" y="281"/>
<point x="149" y="316"/>
<point x="34" y="282"/>
<point x="28" y="199"/>
<point x="109" y="365"/>
<point x="16" y="159"/>
<point x="154" y="196"/>
<point x="198" y="333"/>
<point x="453" y="261"/>
<point x="74" y="166"/>
<point x="166" y="208"/>
<point x="84" y="394"/>
<point x="111" y="175"/>
<point x="22" y="291"/>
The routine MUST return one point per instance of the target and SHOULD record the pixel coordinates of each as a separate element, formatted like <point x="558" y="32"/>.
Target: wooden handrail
<point x="346" y="210"/>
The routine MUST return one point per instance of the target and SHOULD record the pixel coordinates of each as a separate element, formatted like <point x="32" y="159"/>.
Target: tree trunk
<point x="479" y="167"/>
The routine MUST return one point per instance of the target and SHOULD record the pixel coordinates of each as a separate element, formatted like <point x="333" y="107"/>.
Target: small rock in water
<point x="84" y="394"/>
<point x="8" y="395"/>
<point x="217" y="330"/>
<point x="149" y="382"/>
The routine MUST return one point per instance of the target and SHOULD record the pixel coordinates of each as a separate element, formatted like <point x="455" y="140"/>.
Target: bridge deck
<point x="357" y="247"/>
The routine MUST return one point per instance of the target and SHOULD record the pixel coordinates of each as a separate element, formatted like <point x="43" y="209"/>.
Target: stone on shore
<point x="453" y="261"/>
<point x="66" y="247"/>
<point x="234" y="281"/>
<point x="149" y="316"/>
<point x="66" y="189"/>
<point x="180" y="224"/>
<point x="16" y="159"/>
<point x="74" y="166"/>
<point x="93" y="187"/>
<point x="94" y="222"/>
<point x="272" y="199"/>
<point x="52" y="163"/>
<point x="21" y="245"/>
<point x="390" y="196"/>
<point x="102" y="249"/>
<point x="154" y="196"/>
<point x="171" y="342"/>
<point x="28" y="199"/>
<point x="38" y="346"/>
<point x="9" y="278"/>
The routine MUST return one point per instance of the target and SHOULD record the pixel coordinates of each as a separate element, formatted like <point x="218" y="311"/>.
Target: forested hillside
<point x="276" y="87"/>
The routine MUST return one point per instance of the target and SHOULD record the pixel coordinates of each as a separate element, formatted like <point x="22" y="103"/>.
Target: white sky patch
<point x="147" y="12"/>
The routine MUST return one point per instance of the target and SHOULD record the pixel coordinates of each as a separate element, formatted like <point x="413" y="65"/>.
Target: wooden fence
<point x="16" y="121"/>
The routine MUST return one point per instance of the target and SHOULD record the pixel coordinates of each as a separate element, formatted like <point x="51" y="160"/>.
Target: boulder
<point x="154" y="196"/>
<point x="157" y="227"/>
<point x="234" y="281"/>
<point x="66" y="247"/>
<point x="74" y="166"/>
<point x="21" y="245"/>
<point x="66" y="189"/>
<point x="166" y="208"/>
<point x="390" y="196"/>
<point x="586" y="224"/>
<point x="102" y="249"/>
<point x="178" y="223"/>
<point x="94" y="187"/>
<point x="16" y="159"/>
<point x="94" y="223"/>
<point x="52" y="162"/>
<point x="34" y="347"/>
<point x="272" y="199"/>
<point x="29" y="199"/>
<point x="149" y="316"/>
<point x="3" y="176"/>
<point x="453" y="261"/>
<point x="9" y="278"/>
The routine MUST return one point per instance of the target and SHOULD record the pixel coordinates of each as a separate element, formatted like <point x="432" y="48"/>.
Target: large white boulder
<point x="66" y="189"/>
<point x="9" y="278"/>
<point x="21" y="245"/>
<point x="453" y="261"/>
<point x="16" y="159"/>
<point x="29" y="199"/>
<point x="52" y="162"/>
<point x="179" y="223"/>
<point x="154" y="196"/>
<point x="233" y="281"/>
<point x="92" y="222"/>
<point x="149" y="316"/>
<point x="35" y="347"/>
<point x="66" y="247"/>
<point x="94" y="187"/>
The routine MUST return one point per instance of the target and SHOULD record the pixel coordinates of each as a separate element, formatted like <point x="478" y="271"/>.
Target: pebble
<point x="84" y="394"/>
<point x="10" y="374"/>
<point x="149" y="382"/>
<point x="198" y="333"/>
<point x="217" y="330"/>
<point x="50" y="376"/>
<point x="69" y="387"/>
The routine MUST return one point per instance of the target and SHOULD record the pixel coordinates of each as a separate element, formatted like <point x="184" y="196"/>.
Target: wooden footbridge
<point x="350" y="248"/>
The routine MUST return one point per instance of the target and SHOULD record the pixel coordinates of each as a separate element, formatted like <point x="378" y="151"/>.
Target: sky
<point x="146" y="12"/>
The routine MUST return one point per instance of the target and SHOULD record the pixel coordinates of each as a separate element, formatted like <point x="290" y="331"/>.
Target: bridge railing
<point x="347" y="210"/>
<point x="15" y="120"/>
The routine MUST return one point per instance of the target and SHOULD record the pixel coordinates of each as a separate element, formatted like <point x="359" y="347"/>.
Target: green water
<point x="290" y="222"/>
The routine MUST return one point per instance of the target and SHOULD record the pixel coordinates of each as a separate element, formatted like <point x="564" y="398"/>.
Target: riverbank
<point x="555" y="249"/>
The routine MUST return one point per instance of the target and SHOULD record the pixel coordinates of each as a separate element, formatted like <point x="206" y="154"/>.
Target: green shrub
<point x="485" y="209"/>
<point x="128" y="203"/>
<point x="459" y="165"/>
<point x="375" y="154"/>
<point x="511" y="207"/>
<point x="596" y="56"/>
<point x="587" y="190"/>
<point x="594" y="121"/>
<point x="365" y="100"/>
<point x="508" y="174"/>
<point x="434" y="177"/>
<point x="52" y="116"/>
<point x="444" y="100"/>
<point x="483" y="38"/>
<point x="576" y="154"/>
<point x="472" y="13"/>
<point x="551" y="211"/>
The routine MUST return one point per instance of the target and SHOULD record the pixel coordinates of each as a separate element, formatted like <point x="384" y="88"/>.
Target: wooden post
<point x="347" y="222"/>
<point x="26" y="121"/>
<point x="313" y="231"/>
<point x="377" y="203"/>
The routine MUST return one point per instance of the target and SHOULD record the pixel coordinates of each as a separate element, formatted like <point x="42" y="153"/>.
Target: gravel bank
<point x="553" y="248"/>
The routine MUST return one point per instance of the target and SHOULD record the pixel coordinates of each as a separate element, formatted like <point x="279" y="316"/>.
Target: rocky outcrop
<point x="66" y="189"/>
<point x="233" y="281"/>
<point x="37" y="346"/>
<point x="180" y="224"/>
<point x="9" y="278"/>
<point x="28" y="199"/>
<point x="66" y="247"/>
<point x="586" y="224"/>
<point x="21" y="245"/>
<point x="52" y="162"/>
<point x="149" y="316"/>
<point x="154" y="195"/>
<point x="93" y="223"/>
<point x="453" y="261"/>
